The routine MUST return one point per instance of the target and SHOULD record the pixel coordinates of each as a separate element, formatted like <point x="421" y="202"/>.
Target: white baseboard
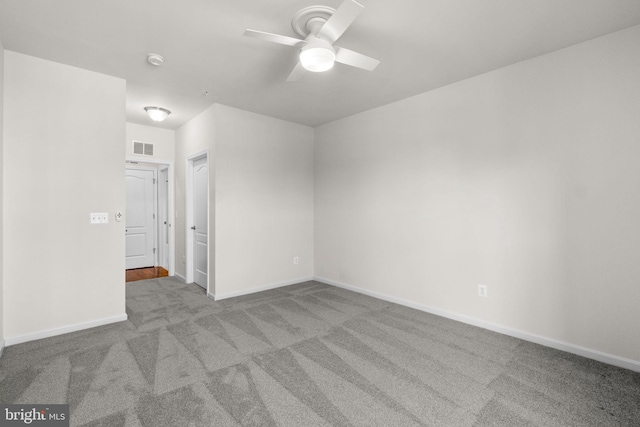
<point x="219" y="297"/>
<point x="2" y="344"/>
<point x="610" y="359"/>
<point x="180" y="277"/>
<point x="64" y="330"/>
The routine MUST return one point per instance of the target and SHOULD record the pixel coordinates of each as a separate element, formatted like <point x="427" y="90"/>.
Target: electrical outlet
<point x="296" y="260"/>
<point x="482" y="291"/>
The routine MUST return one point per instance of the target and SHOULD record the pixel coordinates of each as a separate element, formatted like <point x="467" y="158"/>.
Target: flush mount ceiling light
<point x="157" y="114"/>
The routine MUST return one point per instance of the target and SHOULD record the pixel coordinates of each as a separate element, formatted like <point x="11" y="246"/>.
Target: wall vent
<point x="142" y="148"/>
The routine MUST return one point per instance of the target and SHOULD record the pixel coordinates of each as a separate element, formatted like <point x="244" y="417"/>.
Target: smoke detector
<point x="155" y="59"/>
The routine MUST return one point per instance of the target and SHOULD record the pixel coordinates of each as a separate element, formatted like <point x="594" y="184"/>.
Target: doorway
<point x="197" y="224"/>
<point x="149" y="235"/>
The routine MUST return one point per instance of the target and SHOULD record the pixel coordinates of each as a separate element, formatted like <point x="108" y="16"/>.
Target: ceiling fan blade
<point x="338" y="23"/>
<point x="276" y="38"/>
<point x="355" y="59"/>
<point x="297" y="73"/>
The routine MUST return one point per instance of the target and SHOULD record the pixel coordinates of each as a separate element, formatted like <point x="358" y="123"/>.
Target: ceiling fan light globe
<point x="157" y="114"/>
<point x="317" y="59"/>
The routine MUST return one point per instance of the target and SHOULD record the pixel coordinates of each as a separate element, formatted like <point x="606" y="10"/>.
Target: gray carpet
<point x="307" y="355"/>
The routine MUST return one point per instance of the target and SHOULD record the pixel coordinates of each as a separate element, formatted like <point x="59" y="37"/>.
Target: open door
<point x="200" y="227"/>
<point x="163" y="219"/>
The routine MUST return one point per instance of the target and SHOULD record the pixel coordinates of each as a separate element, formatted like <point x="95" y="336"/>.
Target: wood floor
<point x="146" y="273"/>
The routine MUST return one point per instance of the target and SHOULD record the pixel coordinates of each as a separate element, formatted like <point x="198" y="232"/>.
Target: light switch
<point x="99" y="218"/>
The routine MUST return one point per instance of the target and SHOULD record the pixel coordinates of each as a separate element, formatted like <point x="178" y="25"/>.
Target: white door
<point x="200" y="220"/>
<point x="139" y="234"/>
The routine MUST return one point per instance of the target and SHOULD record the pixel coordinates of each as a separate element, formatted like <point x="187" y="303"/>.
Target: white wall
<point x="260" y="195"/>
<point x="1" y="196"/>
<point x="524" y="179"/>
<point x="263" y="202"/>
<point x="61" y="164"/>
<point x="163" y="140"/>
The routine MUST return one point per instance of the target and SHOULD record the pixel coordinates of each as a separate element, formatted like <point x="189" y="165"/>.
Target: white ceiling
<point x="422" y="45"/>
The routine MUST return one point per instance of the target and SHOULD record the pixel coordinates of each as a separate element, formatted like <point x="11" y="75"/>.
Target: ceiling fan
<point x="320" y="27"/>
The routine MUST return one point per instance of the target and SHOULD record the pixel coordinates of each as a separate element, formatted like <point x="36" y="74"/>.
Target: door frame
<point x="189" y="219"/>
<point x="134" y="162"/>
<point x="163" y="216"/>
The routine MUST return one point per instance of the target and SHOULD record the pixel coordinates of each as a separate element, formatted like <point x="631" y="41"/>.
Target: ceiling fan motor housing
<point x="310" y="19"/>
